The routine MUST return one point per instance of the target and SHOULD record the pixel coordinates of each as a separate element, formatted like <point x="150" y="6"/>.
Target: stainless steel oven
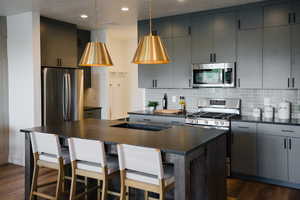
<point x="213" y="75"/>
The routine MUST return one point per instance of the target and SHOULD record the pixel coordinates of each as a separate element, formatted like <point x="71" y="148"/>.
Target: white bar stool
<point x="47" y="153"/>
<point x="88" y="159"/>
<point x="142" y="168"/>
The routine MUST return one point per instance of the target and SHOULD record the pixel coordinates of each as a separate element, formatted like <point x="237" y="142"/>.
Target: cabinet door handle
<point x="60" y="61"/>
<point x="239" y="24"/>
<point x="290" y="17"/>
<point x="284" y="143"/>
<point x="243" y="127"/>
<point x="288" y="82"/>
<point x="57" y="62"/>
<point x="294" y="18"/>
<point x="153" y="86"/>
<point x="215" y="57"/>
<point x="287" y="131"/>
<point x="146" y="120"/>
<point x="239" y="82"/>
<point x="293" y="82"/>
<point x="290" y="143"/>
<point x="210" y="59"/>
<point x="190" y="83"/>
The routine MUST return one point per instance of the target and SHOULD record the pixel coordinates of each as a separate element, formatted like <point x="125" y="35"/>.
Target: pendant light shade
<point x="96" y="54"/>
<point x="151" y="51"/>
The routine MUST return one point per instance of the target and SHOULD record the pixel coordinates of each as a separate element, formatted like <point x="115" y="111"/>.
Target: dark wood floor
<point x="12" y="186"/>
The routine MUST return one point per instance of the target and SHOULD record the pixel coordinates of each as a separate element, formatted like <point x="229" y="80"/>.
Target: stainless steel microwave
<point x="213" y="75"/>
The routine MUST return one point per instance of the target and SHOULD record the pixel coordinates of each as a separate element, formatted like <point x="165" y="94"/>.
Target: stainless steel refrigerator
<point x="62" y="94"/>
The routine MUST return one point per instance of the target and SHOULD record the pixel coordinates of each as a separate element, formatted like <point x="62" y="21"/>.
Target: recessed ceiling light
<point x="124" y="9"/>
<point x="83" y="16"/>
<point x="181" y="1"/>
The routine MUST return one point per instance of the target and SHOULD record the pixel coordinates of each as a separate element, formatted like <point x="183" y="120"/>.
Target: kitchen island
<point x="198" y="154"/>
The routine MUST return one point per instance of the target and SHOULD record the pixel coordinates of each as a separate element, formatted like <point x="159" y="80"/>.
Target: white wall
<point x="23" y="44"/>
<point x="116" y="88"/>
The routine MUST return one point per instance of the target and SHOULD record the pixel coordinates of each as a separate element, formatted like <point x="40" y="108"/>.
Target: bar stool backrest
<point x="45" y="143"/>
<point x="87" y="150"/>
<point x="140" y="159"/>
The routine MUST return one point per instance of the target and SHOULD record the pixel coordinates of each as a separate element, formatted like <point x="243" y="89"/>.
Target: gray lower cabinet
<point x="225" y="37"/>
<point x="202" y="38"/>
<point x="249" y="58"/>
<point x="181" y="76"/>
<point x="276" y="57"/>
<point x="250" y="17"/>
<point x="277" y="15"/>
<point x="243" y="151"/>
<point x="272" y="156"/>
<point x="295" y="73"/>
<point x="294" y="162"/>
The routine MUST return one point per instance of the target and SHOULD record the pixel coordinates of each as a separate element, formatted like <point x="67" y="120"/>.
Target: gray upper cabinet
<point x="202" y="38"/>
<point x="225" y="37"/>
<point x="294" y="162"/>
<point x="59" y="43"/>
<point x="243" y="154"/>
<point x="295" y="74"/>
<point x="250" y="17"/>
<point x="296" y="10"/>
<point x="163" y="72"/>
<point x="143" y="29"/>
<point x="249" y="58"/>
<point x="272" y="156"/>
<point x="182" y="62"/>
<point x="163" y="27"/>
<point x="276" y="57"/>
<point x="277" y="15"/>
<point x="214" y="34"/>
<point x="181" y="26"/>
<point x="146" y="76"/>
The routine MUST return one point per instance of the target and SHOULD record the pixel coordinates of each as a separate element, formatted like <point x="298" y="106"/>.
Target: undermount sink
<point x="144" y="127"/>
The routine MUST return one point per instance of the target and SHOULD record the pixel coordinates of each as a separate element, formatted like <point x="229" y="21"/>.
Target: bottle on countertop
<point x="165" y="102"/>
<point x="182" y="104"/>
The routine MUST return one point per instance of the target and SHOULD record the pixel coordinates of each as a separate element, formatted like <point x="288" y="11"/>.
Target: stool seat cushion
<point x="112" y="165"/>
<point x="152" y="179"/>
<point x="53" y="158"/>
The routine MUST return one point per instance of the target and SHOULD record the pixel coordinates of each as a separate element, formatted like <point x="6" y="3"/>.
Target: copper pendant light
<point x="95" y="53"/>
<point x="151" y="49"/>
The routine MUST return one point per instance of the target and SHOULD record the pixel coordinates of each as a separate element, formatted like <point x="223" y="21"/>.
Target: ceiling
<point x="108" y="11"/>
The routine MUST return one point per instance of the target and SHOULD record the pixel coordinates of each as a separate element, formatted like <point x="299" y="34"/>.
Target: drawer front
<point x="280" y="130"/>
<point x="95" y="114"/>
<point x="243" y="126"/>
<point x="158" y="119"/>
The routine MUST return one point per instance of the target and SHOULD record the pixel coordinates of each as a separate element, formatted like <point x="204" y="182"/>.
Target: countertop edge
<point x="250" y="119"/>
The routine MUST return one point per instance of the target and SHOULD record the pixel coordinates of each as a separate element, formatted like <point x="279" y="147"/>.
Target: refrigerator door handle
<point x="65" y="97"/>
<point x="69" y="97"/>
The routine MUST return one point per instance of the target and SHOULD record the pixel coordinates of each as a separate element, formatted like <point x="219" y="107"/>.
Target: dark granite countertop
<point x="88" y="108"/>
<point x="295" y="122"/>
<point x="176" y="139"/>
<point x="146" y="112"/>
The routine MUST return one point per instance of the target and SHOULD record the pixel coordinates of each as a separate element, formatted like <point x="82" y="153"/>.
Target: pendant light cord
<point x="150" y="15"/>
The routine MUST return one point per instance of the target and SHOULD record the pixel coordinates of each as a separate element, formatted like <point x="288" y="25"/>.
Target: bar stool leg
<point x="99" y="190"/>
<point x="127" y="193"/>
<point x="104" y="189"/>
<point x="59" y="180"/>
<point x="34" y="181"/>
<point x="73" y="186"/>
<point x="146" y="195"/>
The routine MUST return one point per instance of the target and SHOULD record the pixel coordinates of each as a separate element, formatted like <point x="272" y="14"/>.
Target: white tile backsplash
<point x="250" y="97"/>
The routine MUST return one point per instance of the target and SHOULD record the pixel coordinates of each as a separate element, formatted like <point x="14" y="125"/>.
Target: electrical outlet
<point x="174" y="99"/>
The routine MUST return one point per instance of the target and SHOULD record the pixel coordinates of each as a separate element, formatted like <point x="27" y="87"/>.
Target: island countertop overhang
<point x="176" y="139"/>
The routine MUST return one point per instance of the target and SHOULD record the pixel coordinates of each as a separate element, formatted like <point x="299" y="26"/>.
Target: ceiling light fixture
<point x="151" y="49"/>
<point x="96" y="53"/>
<point x="84" y="16"/>
<point x="124" y="9"/>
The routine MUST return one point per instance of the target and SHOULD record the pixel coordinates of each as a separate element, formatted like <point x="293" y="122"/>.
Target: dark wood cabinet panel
<point x="249" y="58"/>
<point x="83" y="38"/>
<point x="277" y="15"/>
<point x="243" y="154"/>
<point x="202" y="38"/>
<point x="250" y="17"/>
<point x="277" y="57"/>
<point x="59" y="43"/>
